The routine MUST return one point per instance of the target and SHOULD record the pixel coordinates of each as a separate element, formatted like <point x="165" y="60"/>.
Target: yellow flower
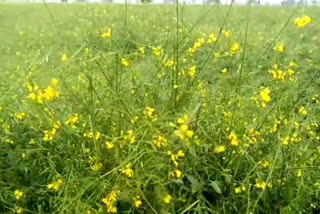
<point x="226" y="33"/>
<point x="130" y="137"/>
<point x="54" y="82"/>
<point x="265" y="96"/>
<point x="106" y="34"/>
<point x="141" y="50"/>
<point x="302" y="21"/>
<point x="183" y="132"/>
<point x="176" y="173"/>
<point x="234" y="140"/>
<point x="264" y="164"/>
<point x="137" y="201"/>
<point x="260" y="184"/>
<point x="64" y="57"/>
<point x="302" y="111"/>
<point x="19" y="115"/>
<point x="234" y="48"/>
<point x="109" y="145"/>
<point x="18" y="210"/>
<point x="90" y="135"/>
<point x="225" y="70"/>
<point x="212" y="38"/>
<point x="167" y="199"/>
<point x="279" y="47"/>
<point x="96" y="166"/>
<point x="157" y="50"/>
<point x="127" y="170"/>
<point x="237" y="190"/>
<point x="18" y="194"/>
<point x="32" y="96"/>
<point x="192" y="71"/>
<point x="219" y="149"/>
<point x="49" y="134"/>
<point x="159" y="141"/>
<point x="124" y="62"/>
<point x="150" y="113"/>
<point x="299" y="173"/>
<point x="169" y="63"/>
<point x="292" y="64"/>
<point x="72" y="120"/>
<point x="55" y="185"/>
<point x="110" y="201"/>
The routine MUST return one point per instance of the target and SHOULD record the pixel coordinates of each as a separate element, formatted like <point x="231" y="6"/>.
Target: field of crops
<point x="159" y="109"/>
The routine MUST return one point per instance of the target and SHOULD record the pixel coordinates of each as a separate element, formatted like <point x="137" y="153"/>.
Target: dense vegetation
<point x="159" y="109"/>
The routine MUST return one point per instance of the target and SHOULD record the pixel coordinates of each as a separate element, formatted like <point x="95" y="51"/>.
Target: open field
<point x="159" y="109"/>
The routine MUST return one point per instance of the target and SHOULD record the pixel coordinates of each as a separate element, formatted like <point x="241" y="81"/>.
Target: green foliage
<point x="141" y="109"/>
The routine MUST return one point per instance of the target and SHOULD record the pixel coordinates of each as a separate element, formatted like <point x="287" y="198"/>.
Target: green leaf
<point x="215" y="186"/>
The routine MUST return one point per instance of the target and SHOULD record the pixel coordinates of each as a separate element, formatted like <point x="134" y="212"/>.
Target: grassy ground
<point x="158" y="109"/>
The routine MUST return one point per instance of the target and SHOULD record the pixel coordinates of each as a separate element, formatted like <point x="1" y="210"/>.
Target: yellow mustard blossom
<point x="48" y="93"/>
<point x="183" y="130"/>
<point x="96" y="166"/>
<point x="299" y="173"/>
<point x="18" y="194"/>
<point x="137" y="201"/>
<point x="124" y="62"/>
<point x="302" y="111"/>
<point x="279" y="47"/>
<point x="224" y="71"/>
<point x="292" y="64"/>
<point x="72" y="120"/>
<point x="19" y="115"/>
<point x="264" y="164"/>
<point x="127" y="170"/>
<point x="55" y="185"/>
<point x="191" y="71"/>
<point x="212" y="38"/>
<point x="111" y="200"/>
<point x="169" y="63"/>
<point x="253" y="135"/>
<point x="150" y="113"/>
<point x="233" y="138"/>
<point x="176" y="173"/>
<point x="260" y="184"/>
<point x="92" y="135"/>
<point x="235" y="47"/>
<point x="167" y="199"/>
<point x="64" y="57"/>
<point x="54" y="82"/>
<point x="302" y="21"/>
<point x="265" y="96"/>
<point x="175" y="157"/>
<point x="18" y="210"/>
<point x="219" y="149"/>
<point x="130" y="137"/>
<point x="141" y="50"/>
<point x="106" y="34"/>
<point x="226" y="33"/>
<point x="159" y="141"/>
<point x="285" y="141"/>
<point x="240" y="189"/>
<point x="157" y="50"/>
<point x="277" y="74"/>
<point x="49" y="134"/>
<point x="109" y="145"/>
